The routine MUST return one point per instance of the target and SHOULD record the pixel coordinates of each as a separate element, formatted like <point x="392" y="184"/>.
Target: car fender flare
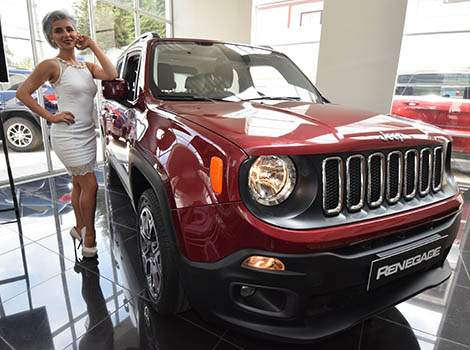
<point x="15" y="112"/>
<point x="154" y="178"/>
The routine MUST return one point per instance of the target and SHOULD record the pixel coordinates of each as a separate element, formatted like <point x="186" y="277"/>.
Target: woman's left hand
<point x="83" y="42"/>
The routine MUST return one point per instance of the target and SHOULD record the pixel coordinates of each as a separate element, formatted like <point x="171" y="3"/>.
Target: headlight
<point x="271" y="179"/>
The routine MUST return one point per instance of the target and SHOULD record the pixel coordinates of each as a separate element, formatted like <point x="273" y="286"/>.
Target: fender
<point x="153" y="177"/>
<point x="152" y="174"/>
<point x="10" y="112"/>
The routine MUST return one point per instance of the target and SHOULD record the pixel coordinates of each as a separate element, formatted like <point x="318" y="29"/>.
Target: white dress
<point x="75" y="144"/>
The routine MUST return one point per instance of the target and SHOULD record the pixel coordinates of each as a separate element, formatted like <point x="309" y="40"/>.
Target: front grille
<point x="381" y="176"/>
<point x="332" y="174"/>
<point x="425" y="176"/>
<point x="410" y="180"/>
<point x="376" y="179"/>
<point x="394" y="176"/>
<point x="438" y="166"/>
<point x="355" y="181"/>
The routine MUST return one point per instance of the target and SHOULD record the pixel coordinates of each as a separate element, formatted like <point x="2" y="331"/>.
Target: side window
<point x="131" y="74"/>
<point x="404" y="78"/>
<point x="427" y="78"/>
<point x="15" y="82"/>
<point x="455" y="78"/>
<point x="119" y="66"/>
<point x="453" y="92"/>
<point x="418" y="90"/>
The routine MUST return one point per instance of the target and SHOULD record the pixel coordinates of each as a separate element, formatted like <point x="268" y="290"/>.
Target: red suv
<point x="438" y="98"/>
<point x="264" y="206"/>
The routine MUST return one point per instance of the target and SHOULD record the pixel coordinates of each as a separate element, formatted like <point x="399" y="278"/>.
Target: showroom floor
<point x="48" y="301"/>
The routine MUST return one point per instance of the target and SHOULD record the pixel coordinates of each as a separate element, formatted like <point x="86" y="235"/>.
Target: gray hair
<point x="50" y="18"/>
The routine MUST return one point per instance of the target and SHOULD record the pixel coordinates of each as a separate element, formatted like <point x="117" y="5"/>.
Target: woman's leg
<point x="87" y="202"/>
<point x="76" y="191"/>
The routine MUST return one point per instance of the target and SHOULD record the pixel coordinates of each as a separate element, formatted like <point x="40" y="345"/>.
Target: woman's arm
<point x="46" y="70"/>
<point x="107" y="71"/>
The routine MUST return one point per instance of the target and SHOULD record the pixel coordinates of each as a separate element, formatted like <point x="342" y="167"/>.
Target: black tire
<point x="159" y="256"/>
<point x="22" y="135"/>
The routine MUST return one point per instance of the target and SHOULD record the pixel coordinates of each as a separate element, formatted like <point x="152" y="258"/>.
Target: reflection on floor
<point x="48" y="301"/>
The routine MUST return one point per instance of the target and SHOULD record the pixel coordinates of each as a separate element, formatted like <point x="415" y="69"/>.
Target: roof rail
<point x="266" y="47"/>
<point x="146" y="35"/>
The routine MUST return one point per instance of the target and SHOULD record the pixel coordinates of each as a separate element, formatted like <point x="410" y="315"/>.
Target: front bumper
<point x="319" y="294"/>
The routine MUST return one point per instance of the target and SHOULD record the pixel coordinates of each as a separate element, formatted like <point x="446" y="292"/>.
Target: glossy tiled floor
<point x="48" y="301"/>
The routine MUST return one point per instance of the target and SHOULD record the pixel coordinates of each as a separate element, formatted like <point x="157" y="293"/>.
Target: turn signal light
<point x="217" y="167"/>
<point x="264" y="262"/>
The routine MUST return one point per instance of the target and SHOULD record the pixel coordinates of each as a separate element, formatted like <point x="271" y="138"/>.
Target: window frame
<point x="131" y="55"/>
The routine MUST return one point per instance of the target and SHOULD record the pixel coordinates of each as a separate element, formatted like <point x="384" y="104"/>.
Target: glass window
<point x="23" y="128"/>
<point x="456" y="78"/>
<point x="404" y="78"/>
<point x="15" y="81"/>
<point x="148" y="24"/>
<point x="310" y="18"/>
<point x="119" y="66"/>
<point x="233" y="72"/>
<point x="115" y="27"/>
<point x="268" y="81"/>
<point x="452" y="92"/>
<point x="418" y="90"/>
<point x="125" y="2"/>
<point x="131" y="73"/>
<point x="154" y="7"/>
<point x="431" y="78"/>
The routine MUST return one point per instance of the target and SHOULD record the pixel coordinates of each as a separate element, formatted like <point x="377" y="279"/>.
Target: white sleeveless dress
<point x="75" y="144"/>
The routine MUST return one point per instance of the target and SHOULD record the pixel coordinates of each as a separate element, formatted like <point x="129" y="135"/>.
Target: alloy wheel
<point x="150" y="252"/>
<point x="19" y="135"/>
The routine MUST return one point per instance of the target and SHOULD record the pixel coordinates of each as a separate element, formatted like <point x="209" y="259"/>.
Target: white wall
<point x="228" y="20"/>
<point x="436" y="36"/>
<point x="279" y="25"/>
<point x="359" y="52"/>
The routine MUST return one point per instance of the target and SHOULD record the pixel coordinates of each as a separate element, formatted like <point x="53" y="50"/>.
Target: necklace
<point x="81" y="66"/>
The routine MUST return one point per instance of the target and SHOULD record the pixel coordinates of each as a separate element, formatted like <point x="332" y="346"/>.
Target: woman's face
<point x="64" y="34"/>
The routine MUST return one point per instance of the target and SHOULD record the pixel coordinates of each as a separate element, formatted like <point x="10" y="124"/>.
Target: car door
<point x="120" y="117"/>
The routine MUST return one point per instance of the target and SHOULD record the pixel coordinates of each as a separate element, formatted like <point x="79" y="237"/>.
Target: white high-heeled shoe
<point x="87" y="252"/>
<point x="75" y="235"/>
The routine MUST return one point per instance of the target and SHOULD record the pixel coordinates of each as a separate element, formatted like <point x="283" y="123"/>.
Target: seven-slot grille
<point x="380" y="177"/>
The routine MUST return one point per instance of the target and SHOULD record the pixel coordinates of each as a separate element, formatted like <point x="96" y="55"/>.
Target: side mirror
<point x="116" y="89"/>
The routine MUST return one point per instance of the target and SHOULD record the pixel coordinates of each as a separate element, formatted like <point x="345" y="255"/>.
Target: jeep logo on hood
<point x="392" y="136"/>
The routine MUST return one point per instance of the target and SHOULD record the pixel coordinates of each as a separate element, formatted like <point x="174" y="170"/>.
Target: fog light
<point x="247" y="291"/>
<point x="264" y="262"/>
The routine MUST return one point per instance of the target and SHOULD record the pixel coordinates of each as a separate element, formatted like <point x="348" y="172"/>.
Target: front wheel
<point x="159" y="257"/>
<point x="22" y="135"/>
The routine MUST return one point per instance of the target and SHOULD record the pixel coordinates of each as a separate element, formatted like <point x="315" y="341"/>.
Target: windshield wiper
<point x="190" y="98"/>
<point x="288" y="98"/>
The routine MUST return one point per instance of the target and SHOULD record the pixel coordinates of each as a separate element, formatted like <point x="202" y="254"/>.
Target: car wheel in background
<point x="22" y="135"/>
<point x="159" y="257"/>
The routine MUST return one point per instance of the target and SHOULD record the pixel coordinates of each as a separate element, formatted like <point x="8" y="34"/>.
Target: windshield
<point x="211" y="71"/>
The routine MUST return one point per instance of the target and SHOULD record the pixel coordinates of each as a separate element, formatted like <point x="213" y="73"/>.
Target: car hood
<point x="304" y="128"/>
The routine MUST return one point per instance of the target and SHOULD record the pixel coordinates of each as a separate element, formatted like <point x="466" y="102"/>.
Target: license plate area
<point x="396" y="263"/>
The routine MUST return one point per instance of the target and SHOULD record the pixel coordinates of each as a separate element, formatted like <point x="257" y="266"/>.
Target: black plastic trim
<point x="153" y="177"/>
<point x="319" y="294"/>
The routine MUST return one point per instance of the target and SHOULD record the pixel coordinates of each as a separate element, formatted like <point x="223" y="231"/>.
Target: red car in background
<point x="438" y="98"/>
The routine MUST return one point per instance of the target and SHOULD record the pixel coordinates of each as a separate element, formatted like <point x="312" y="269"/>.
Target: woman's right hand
<point x="66" y="117"/>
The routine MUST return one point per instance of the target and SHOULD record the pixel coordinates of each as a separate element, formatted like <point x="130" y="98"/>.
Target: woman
<point x="73" y="132"/>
